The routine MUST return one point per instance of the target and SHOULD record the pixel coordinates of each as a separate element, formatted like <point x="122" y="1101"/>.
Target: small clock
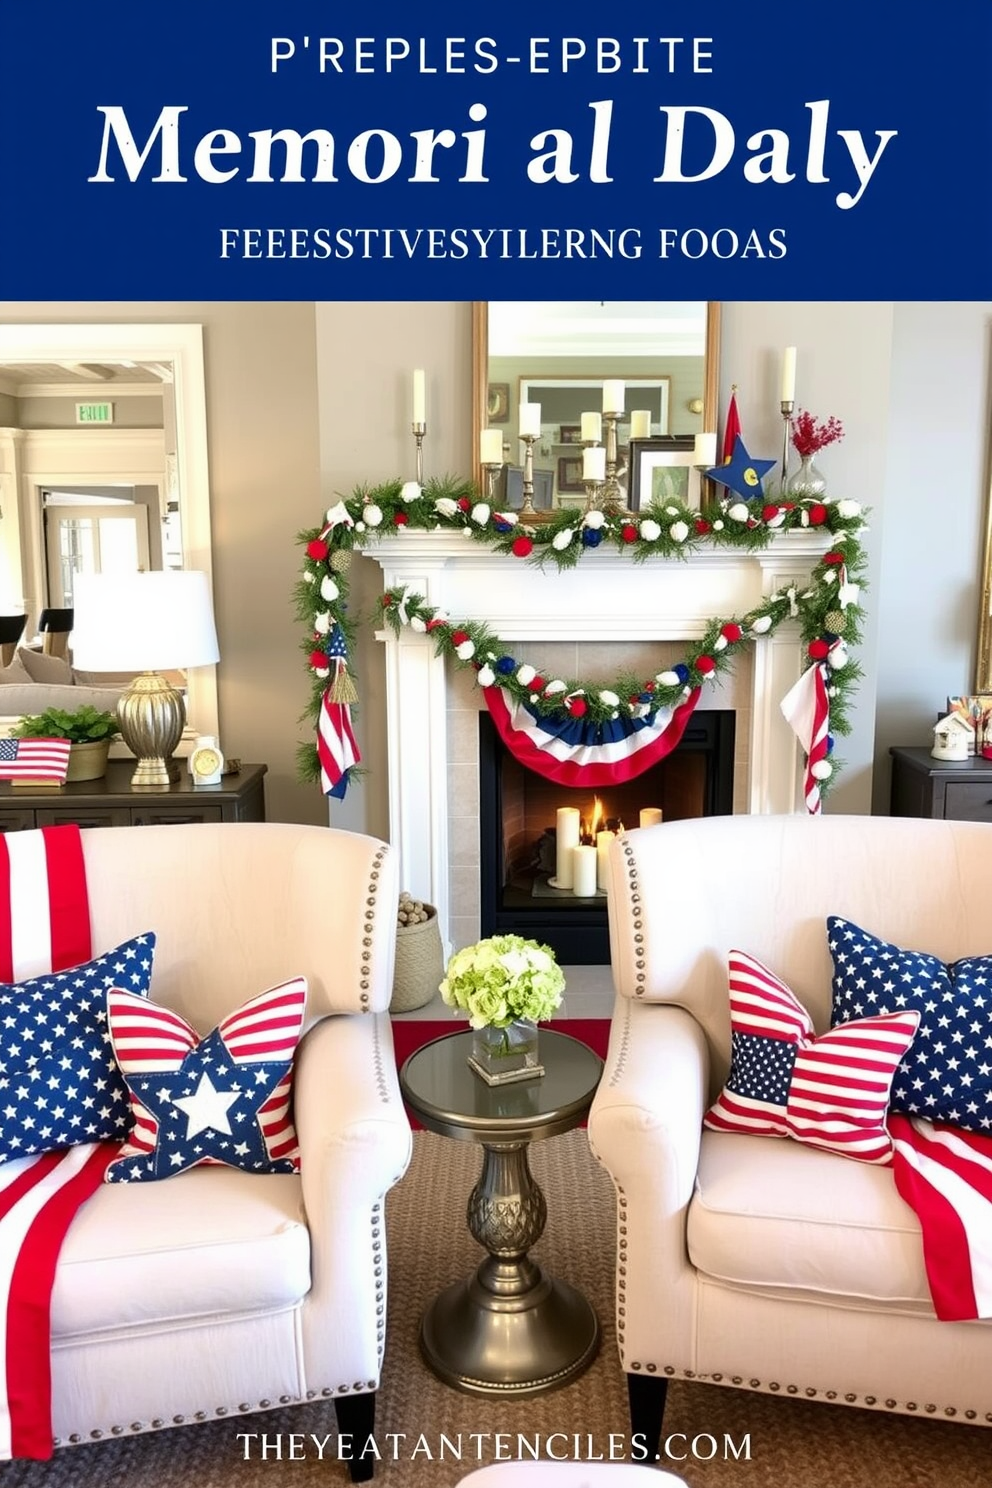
<point x="206" y="763"/>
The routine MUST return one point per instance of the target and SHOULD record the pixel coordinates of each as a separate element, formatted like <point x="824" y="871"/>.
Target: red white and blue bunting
<point x="570" y="730"/>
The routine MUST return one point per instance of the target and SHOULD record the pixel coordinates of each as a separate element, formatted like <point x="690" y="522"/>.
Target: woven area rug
<point x="793" y="1444"/>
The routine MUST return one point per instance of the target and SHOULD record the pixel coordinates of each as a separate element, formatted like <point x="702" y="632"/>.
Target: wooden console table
<point x="111" y="802"/>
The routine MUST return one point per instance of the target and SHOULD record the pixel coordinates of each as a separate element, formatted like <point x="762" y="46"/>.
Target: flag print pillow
<point x="222" y="1099"/>
<point x="830" y="1092"/>
<point x="59" y="1080"/>
<point x="947" y="1074"/>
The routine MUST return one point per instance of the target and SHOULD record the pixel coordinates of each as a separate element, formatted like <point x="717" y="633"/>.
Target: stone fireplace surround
<point x="606" y="614"/>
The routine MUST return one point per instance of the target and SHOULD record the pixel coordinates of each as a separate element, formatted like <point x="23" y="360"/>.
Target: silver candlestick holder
<point x="594" y="496"/>
<point x="611" y="486"/>
<point x="419" y="430"/>
<point x="527" y="509"/>
<point x="786" y="405"/>
<point x="492" y="475"/>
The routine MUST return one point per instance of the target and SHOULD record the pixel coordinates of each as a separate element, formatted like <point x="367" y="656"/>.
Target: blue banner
<point x="299" y="149"/>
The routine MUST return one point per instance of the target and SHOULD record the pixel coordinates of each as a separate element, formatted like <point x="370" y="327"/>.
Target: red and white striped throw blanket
<point x="44" y="926"/>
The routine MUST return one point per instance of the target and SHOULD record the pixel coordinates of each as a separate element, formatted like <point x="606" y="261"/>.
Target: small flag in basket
<point x="337" y="748"/>
<point x="33" y="761"/>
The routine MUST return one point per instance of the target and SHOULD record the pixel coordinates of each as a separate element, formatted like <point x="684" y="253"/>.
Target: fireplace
<point x="588" y="618"/>
<point x="518" y="851"/>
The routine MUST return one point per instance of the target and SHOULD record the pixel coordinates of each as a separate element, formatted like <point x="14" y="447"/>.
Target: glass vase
<point x="503" y="1055"/>
<point x="807" y="480"/>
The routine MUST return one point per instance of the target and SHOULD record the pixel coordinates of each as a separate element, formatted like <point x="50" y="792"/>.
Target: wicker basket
<point x="419" y="964"/>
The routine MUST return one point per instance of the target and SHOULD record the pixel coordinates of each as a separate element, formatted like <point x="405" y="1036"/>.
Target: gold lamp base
<point x="152" y="716"/>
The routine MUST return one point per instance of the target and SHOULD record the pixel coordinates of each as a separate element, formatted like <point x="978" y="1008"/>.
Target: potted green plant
<point x="87" y="728"/>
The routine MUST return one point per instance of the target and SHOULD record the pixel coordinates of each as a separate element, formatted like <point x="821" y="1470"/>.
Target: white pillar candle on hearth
<point x="584" y="871"/>
<point x="419" y="396"/>
<point x="603" y="841"/>
<point x="491" y="447"/>
<point x="704" y="449"/>
<point x="567" y="828"/>
<point x="613" y="396"/>
<point x="594" y="463"/>
<point x="789" y="375"/>
<point x="640" y="423"/>
<point x="650" y="816"/>
<point x="592" y="428"/>
<point x="530" y="419"/>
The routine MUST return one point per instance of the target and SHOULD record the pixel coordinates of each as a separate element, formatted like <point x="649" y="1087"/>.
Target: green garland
<point x="828" y="613"/>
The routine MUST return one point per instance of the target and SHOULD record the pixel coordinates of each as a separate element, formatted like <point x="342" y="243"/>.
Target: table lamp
<point x="146" y="623"/>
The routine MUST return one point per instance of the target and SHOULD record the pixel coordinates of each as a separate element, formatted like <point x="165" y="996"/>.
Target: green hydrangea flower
<point x="503" y="978"/>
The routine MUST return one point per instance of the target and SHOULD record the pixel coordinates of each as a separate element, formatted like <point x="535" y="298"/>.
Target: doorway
<point x="93" y="530"/>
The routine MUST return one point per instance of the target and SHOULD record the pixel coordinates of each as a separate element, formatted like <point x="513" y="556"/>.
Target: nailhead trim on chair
<point x="810" y="1391"/>
<point x="640" y="963"/>
<point x="371" y="904"/>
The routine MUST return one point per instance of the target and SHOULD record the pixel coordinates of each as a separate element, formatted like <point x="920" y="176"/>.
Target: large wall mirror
<point x="558" y="353"/>
<point x="103" y="464"/>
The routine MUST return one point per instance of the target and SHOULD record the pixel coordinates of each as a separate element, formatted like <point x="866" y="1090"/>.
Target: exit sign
<point x="94" y="413"/>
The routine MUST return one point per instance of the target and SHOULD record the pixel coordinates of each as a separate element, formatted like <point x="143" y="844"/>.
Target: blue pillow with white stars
<point x="947" y="1073"/>
<point x="59" y="1081"/>
<point x="226" y="1098"/>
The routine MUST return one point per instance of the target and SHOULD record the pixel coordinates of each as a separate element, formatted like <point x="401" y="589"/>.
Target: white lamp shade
<point x="143" y="622"/>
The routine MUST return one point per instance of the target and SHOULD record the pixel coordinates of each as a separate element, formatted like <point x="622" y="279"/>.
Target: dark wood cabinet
<point x="111" y="802"/>
<point x="953" y="790"/>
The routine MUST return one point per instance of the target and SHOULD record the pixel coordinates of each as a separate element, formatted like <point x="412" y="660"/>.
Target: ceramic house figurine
<point x="953" y="738"/>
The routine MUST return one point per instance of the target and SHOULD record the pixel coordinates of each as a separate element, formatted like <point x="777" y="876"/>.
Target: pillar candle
<point x="640" y="423"/>
<point x="566" y="840"/>
<point x="592" y="428"/>
<point x="594" y="463"/>
<point x="491" y="447"/>
<point x="419" y="397"/>
<point x="584" y="871"/>
<point x="530" y="419"/>
<point x="789" y="375"/>
<point x="704" y="450"/>
<point x="650" y="816"/>
<point x="613" y="396"/>
<point x="603" y="840"/>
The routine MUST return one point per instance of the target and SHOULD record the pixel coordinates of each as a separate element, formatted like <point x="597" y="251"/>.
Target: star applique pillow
<point x="59" y="1081"/>
<point x="222" y="1099"/>
<point x="947" y="1074"/>
<point x="830" y="1091"/>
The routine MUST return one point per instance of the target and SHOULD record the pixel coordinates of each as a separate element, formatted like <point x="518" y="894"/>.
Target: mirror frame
<point x="182" y="346"/>
<point x="480" y="375"/>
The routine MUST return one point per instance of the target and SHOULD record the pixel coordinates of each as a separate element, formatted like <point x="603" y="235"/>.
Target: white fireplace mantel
<point x="606" y="597"/>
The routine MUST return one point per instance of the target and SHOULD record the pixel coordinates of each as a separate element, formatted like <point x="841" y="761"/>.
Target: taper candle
<point x="594" y="463"/>
<point x="789" y="375"/>
<point x="584" y="871"/>
<point x="419" y="396"/>
<point x="592" y="428"/>
<point x="491" y="446"/>
<point x="704" y="450"/>
<point x="530" y="419"/>
<point x="567" y="829"/>
<point x="640" y="423"/>
<point x="650" y="816"/>
<point x="613" y="396"/>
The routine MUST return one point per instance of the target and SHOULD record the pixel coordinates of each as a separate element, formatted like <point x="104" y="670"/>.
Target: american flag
<point x="222" y="1099"/>
<point x="337" y="747"/>
<point x="44" y="926"/>
<point x="34" y="759"/>
<point x="830" y="1091"/>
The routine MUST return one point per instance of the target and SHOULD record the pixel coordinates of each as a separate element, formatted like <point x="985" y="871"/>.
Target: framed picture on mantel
<point x="662" y="470"/>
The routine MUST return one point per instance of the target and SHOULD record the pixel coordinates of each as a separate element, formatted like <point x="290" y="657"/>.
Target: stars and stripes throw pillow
<point x="830" y="1091"/>
<point x="222" y="1099"/>
<point x="947" y="1074"/>
<point x="59" y="1081"/>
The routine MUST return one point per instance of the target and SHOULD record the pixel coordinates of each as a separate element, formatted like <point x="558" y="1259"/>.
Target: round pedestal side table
<point x="509" y="1329"/>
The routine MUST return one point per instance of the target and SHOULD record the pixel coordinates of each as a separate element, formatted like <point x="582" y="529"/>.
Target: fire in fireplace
<point x="542" y="844"/>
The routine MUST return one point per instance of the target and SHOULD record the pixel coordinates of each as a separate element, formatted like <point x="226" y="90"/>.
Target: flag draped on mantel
<point x="580" y="752"/>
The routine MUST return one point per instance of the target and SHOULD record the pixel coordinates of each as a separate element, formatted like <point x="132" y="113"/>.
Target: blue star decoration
<point x="207" y="1108"/>
<point x="742" y="474"/>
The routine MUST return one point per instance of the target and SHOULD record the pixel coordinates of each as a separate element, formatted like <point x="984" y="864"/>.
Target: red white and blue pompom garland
<point x="562" y="726"/>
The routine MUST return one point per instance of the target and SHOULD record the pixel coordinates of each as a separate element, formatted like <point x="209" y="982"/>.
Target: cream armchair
<point x="748" y="1261"/>
<point x="217" y="1292"/>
